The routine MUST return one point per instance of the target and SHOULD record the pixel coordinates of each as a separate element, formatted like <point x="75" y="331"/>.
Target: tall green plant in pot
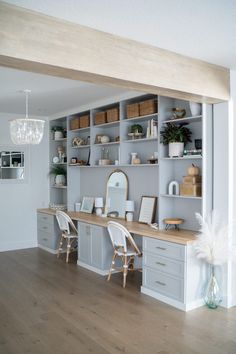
<point x="60" y="175"/>
<point x="176" y="136"/>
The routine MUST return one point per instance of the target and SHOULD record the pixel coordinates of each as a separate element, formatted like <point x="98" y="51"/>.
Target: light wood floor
<point x="47" y="306"/>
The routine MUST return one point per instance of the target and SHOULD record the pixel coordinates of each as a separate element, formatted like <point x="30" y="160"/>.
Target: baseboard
<point x="12" y="246"/>
<point x="93" y="269"/>
<point x="177" y="304"/>
<point x="47" y="249"/>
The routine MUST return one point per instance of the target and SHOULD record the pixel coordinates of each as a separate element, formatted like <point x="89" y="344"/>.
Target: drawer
<point x="45" y="218"/>
<point x="165" y="284"/>
<point x="167" y="265"/>
<point x="164" y="248"/>
<point x="43" y="226"/>
<point x="47" y="240"/>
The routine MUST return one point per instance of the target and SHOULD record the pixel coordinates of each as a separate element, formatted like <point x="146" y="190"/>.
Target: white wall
<point x="232" y="181"/>
<point x="19" y="201"/>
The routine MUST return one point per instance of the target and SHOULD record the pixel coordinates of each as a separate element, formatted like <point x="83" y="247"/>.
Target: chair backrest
<point x="65" y="223"/>
<point x="119" y="236"/>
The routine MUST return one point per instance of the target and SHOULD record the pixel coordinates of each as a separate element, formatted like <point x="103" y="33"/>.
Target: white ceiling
<point x="204" y="29"/>
<point x="49" y="95"/>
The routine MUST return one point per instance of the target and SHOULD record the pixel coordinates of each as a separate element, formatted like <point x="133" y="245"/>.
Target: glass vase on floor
<point x="212" y="297"/>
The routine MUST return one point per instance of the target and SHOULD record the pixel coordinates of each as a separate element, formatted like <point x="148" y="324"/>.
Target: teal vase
<point x="212" y="296"/>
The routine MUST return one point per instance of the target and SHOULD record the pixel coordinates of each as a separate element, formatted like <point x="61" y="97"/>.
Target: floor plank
<point x="48" y="306"/>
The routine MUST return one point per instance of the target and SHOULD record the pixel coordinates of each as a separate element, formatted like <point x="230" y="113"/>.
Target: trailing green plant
<point x="136" y="128"/>
<point x="175" y="133"/>
<point x="57" y="129"/>
<point x="58" y="170"/>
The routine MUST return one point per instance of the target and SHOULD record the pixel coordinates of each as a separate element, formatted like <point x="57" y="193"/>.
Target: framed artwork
<point x="87" y="205"/>
<point x="147" y="209"/>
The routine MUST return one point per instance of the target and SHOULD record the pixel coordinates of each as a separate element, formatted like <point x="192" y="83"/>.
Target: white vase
<point x="176" y="149"/>
<point x="58" y="135"/>
<point x="195" y="108"/>
<point x="60" y="180"/>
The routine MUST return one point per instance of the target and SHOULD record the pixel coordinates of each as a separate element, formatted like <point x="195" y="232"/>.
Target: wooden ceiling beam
<point x="35" y="42"/>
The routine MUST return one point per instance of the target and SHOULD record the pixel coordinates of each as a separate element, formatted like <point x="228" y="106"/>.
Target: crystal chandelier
<point x="26" y="130"/>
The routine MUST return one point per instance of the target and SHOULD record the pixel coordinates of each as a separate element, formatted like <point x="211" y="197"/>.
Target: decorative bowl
<point x="178" y="113"/>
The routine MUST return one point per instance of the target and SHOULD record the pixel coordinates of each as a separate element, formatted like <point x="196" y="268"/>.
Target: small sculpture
<point x="173" y="188"/>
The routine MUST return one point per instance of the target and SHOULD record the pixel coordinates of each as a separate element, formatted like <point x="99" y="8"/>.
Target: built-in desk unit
<point x="171" y="272"/>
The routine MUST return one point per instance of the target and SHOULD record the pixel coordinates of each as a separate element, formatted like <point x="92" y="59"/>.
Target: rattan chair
<point x="69" y="234"/>
<point x="124" y="247"/>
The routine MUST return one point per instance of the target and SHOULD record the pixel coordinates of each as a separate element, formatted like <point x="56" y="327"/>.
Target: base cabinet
<point x="94" y="248"/>
<point x="171" y="273"/>
<point x="48" y="232"/>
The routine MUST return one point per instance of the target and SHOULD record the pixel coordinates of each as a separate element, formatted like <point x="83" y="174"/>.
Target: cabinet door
<point x="96" y="246"/>
<point x="84" y="243"/>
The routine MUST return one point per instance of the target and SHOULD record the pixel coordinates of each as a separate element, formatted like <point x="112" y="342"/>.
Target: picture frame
<point x="87" y="205"/>
<point x="147" y="209"/>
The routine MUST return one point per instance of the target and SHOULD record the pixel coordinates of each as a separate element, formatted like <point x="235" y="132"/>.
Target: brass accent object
<point x="178" y="113"/>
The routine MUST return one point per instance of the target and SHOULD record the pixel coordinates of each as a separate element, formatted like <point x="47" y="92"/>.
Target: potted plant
<point x="58" y="132"/>
<point x="176" y="136"/>
<point x="60" y="175"/>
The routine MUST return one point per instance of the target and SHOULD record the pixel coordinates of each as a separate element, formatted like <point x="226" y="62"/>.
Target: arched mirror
<point x="117" y="192"/>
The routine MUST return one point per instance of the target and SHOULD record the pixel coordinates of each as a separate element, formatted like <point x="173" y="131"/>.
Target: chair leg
<point x="60" y="247"/>
<point x="125" y="270"/>
<point x="68" y="250"/>
<point x="112" y="264"/>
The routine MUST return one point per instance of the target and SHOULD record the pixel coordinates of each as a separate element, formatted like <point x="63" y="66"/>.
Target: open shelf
<point x="141" y="118"/>
<point x="184" y="120"/>
<point x="59" y="187"/>
<point x="139" y="140"/>
<point x="117" y="166"/>
<point x="188" y="157"/>
<point x="110" y="124"/>
<point x="110" y="143"/>
<point x="79" y="129"/>
<point x="180" y="196"/>
<point x="58" y="140"/>
<point x="80" y="147"/>
<point x="59" y="163"/>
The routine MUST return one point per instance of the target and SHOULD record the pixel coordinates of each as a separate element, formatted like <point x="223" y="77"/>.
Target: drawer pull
<point x="44" y="218"/>
<point x="45" y="239"/>
<point x="161" y="264"/>
<point x="45" y="227"/>
<point x="161" y="248"/>
<point x="160" y="283"/>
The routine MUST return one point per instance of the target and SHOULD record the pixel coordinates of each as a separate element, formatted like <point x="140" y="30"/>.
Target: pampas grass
<point x="212" y="244"/>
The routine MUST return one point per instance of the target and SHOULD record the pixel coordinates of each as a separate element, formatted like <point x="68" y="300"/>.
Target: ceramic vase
<point x="195" y="108"/>
<point x="60" y="180"/>
<point x="176" y="149"/>
<point x="58" y="135"/>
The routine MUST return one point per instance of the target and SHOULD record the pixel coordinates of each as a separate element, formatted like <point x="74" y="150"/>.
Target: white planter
<point x="58" y="135"/>
<point x="176" y="149"/>
<point x="60" y="180"/>
<point x="195" y="108"/>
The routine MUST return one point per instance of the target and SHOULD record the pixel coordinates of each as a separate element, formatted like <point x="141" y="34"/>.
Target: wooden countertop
<point x="182" y="236"/>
